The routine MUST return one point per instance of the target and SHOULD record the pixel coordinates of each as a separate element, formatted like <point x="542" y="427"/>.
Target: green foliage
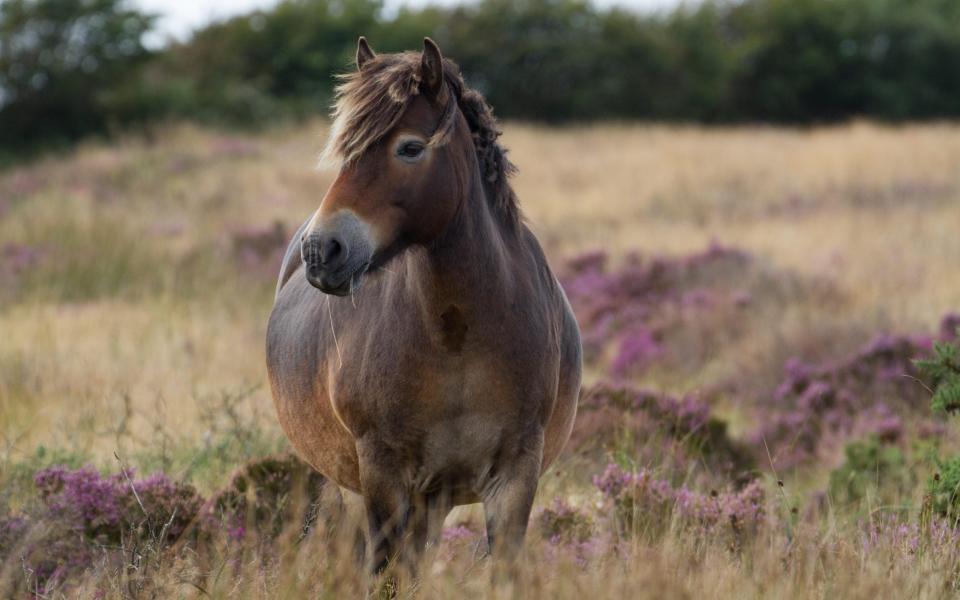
<point x="944" y="370"/>
<point x="16" y="476"/>
<point x="67" y="67"/>
<point x="872" y="471"/>
<point x="944" y="489"/>
<point x="73" y="67"/>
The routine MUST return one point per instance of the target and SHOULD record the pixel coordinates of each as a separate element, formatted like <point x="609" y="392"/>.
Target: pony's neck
<point x="469" y="262"/>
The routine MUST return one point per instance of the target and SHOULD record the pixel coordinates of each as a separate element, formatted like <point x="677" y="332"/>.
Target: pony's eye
<point x="410" y="150"/>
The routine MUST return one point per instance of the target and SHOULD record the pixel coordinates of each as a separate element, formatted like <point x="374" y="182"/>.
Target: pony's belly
<point x="318" y="437"/>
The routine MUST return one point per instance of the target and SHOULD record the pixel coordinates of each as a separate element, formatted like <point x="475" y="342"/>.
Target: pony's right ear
<point x="364" y="52"/>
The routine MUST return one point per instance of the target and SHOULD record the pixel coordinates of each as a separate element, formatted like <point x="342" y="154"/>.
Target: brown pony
<point x="451" y="375"/>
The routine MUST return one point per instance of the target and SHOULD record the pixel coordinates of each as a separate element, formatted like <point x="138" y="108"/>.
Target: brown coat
<point x="451" y="375"/>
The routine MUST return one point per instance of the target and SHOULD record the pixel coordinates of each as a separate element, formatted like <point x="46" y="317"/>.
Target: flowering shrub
<point x="631" y="309"/>
<point x="266" y="496"/>
<point x="868" y="393"/>
<point x="678" y="430"/>
<point x="83" y="519"/>
<point x="563" y="522"/>
<point x="646" y="505"/>
<point x="82" y="516"/>
<point x="901" y="536"/>
<point x="461" y="540"/>
<point x="570" y="532"/>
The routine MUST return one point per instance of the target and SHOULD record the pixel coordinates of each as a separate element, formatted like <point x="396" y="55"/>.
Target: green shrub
<point x="871" y="471"/>
<point x="944" y="489"/>
<point x="61" y="62"/>
<point x="545" y="60"/>
<point x="944" y="370"/>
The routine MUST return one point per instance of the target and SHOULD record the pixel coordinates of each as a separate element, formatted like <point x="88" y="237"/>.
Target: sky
<point x="179" y="17"/>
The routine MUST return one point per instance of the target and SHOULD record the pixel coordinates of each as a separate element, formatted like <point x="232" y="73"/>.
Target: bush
<point x="644" y="505"/>
<point x="269" y="494"/>
<point x="82" y="517"/>
<point x="653" y="428"/>
<point x="870" y="392"/>
<point x="70" y="68"/>
<point x="944" y="490"/>
<point x="67" y="68"/>
<point x="944" y="370"/>
<point x="872" y="470"/>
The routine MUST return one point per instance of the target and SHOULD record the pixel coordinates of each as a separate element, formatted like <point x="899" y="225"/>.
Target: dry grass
<point x="140" y="318"/>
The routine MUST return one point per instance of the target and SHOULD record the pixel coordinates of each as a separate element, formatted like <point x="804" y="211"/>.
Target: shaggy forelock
<point x="369" y="103"/>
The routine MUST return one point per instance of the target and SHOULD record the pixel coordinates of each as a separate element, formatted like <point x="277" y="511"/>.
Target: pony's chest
<point x="425" y="396"/>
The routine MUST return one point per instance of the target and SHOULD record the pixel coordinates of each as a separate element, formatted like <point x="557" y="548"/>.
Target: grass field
<point x="136" y="279"/>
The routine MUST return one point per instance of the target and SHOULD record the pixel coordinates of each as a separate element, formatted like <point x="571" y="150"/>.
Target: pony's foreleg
<point x="386" y="501"/>
<point x="427" y="514"/>
<point x="508" y="500"/>
<point x="351" y="528"/>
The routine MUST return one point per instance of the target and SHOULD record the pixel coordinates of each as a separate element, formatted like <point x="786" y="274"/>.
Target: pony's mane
<point x="370" y="102"/>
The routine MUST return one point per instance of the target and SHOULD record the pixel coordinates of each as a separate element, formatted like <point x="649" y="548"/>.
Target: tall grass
<point x="136" y="279"/>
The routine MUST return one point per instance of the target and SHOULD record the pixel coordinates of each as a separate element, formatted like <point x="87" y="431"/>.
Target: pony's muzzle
<point x="336" y="256"/>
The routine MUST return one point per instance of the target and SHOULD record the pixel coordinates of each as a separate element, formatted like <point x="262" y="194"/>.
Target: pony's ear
<point x="431" y="70"/>
<point x="364" y="52"/>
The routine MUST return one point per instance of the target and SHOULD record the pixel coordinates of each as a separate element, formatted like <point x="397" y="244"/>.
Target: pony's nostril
<point x="330" y="251"/>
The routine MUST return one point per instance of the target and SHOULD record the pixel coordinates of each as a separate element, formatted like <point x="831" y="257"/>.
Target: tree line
<point x="69" y="68"/>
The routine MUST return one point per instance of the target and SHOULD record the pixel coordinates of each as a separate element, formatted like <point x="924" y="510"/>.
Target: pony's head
<point x="405" y="134"/>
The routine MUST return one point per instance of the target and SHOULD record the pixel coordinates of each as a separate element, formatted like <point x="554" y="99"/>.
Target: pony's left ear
<point x="364" y="52"/>
<point x="431" y="70"/>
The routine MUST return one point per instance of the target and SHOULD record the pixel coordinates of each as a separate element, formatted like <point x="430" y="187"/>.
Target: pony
<point x="441" y="364"/>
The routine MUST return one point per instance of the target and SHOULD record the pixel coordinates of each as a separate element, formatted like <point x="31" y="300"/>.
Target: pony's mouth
<point x="337" y="286"/>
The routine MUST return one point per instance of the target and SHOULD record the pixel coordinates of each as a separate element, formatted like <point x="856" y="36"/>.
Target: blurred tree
<point x="64" y="65"/>
<point x="268" y="64"/>
<point x="73" y="67"/>
<point x="821" y="60"/>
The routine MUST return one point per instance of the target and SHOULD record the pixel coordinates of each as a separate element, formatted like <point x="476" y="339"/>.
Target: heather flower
<point x="631" y="310"/>
<point x="457" y="539"/>
<point x="170" y="506"/>
<point x="817" y="407"/>
<point x="637" y="349"/>
<point x="561" y="522"/>
<point x="82" y="515"/>
<point x="577" y="552"/>
<point x="12" y="529"/>
<point x="674" y="432"/>
<point x="949" y="327"/>
<point x="645" y="504"/>
<point x="895" y="534"/>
